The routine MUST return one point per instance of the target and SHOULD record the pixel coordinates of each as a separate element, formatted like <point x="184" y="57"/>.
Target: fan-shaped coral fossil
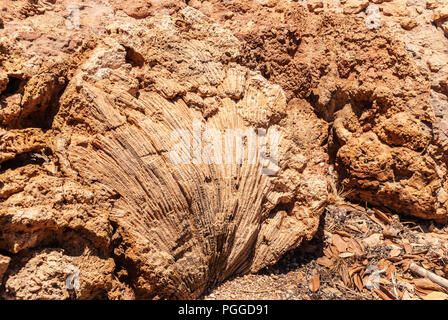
<point x="251" y="187"/>
<point x="157" y="149"/>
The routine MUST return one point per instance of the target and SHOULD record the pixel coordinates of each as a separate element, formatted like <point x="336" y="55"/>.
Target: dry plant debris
<point x="358" y="253"/>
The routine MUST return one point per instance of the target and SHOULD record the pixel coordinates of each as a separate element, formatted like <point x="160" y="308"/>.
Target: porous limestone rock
<point x="387" y="138"/>
<point x="87" y="164"/>
<point x="91" y="113"/>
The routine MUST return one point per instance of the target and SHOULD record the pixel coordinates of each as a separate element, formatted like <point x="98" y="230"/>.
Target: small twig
<point x="422" y="272"/>
<point x="372" y="217"/>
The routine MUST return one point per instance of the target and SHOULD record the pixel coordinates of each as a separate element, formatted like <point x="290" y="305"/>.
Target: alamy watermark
<point x="373" y="19"/>
<point x="72" y="21"/>
<point x="72" y="280"/>
<point x="231" y="146"/>
<point x="373" y="281"/>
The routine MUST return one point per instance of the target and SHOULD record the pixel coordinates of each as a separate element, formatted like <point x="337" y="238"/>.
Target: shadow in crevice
<point x="14" y="85"/>
<point x="307" y="252"/>
<point x="23" y="159"/>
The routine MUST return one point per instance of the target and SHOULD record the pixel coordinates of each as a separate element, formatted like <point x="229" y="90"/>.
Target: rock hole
<point x="13" y="85"/>
<point x="21" y="160"/>
<point x="134" y="58"/>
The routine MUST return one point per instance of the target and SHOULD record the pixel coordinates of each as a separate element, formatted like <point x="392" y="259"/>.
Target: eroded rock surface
<point x="381" y="89"/>
<point x="99" y="166"/>
<point x="95" y="95"/>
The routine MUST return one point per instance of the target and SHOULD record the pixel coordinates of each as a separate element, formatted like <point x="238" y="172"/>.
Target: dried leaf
<point x="392" y="243"/>
<point x="422" y="292"/>
<point x="395" y="259"/>
<point x="413" y="257"/>
<point x="406" y="296"/>
<point x="342" y="233"/>
<point x="395" y="252"/>
<point x="345" y="276"/>
<point x="426" y="284"/>
<point x="387" y="292"/>
<point x="314" y="283"/>
<point x="389" y="271"/>
<point x="440" y="273"/>
<point x="406" y="263"/>
<point x="390" y="232"/>
<point x="353" y="228"/>
<point x="325" y="261"/>
<point x="401" y="279"/>
<point x="384" y="281"/>
<point x="375" y="219"/>
<point x="436" y="295"/>
<point x="382" y="295"/>
<point x="372" y="241"/>
<point x="354" y="270"/>
<point x="428" y="265"/>
<point x="328" y="253"/>
<point x="340" y="244"/>
<point x="334" y="251"/>
<point x="346" y="255"/>
<point x="382" y="216"/>
<point x="358" y="282"/>
<point x="407" y="246"/>
<point x="355" y="247"/>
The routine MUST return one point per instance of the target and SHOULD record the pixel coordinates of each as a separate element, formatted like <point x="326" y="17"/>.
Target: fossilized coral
<point x="90" y="118"/>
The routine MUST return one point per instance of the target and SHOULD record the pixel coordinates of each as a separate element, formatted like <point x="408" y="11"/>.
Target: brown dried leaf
<point x="426" y="284"/>
<point x="373" y="240"/>
<point x="436" y="295"/>
<point x="355" y="269"/>
<point x="395" y="252"/>
<point x="382" y="216"/>
<point x="328" y="253"/>
<point x="325" y="261"/>
<point x="340" y="244"/>
<point x="387" y="292"/>
<point x="375" y="219"/>
<point x="390" y="242"/>
<point x="406" y="296"/>
<point x="439" y="273"/>
<point x="334" y="251"/>
<point x="355" y="247"/>
<point x="401" y="279"/>
<point x="346" y="255"/>
<point x="413" y="257"/>
<point x="407" y="246"/>
<point x="345" y="276"/>
<point x="406" y="263"/>
<point x="353" y="228"/>
<point x="358" y="282"/>
<point x="384" y="264"/>
<point x="314" y="283"/>
<point x="342" y="233"/>
<point x="422" y="292"/>
<point x="389" y="271"/>
<point x="390" y="232"/>
<point x="382" y="295"/>
<point x="428" y="265"/>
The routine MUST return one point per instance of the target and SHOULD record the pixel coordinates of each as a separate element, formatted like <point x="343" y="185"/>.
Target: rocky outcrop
<point x="123" y="127"/>
<point x="88" y="165"/>
<point x="386" y="140"/>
